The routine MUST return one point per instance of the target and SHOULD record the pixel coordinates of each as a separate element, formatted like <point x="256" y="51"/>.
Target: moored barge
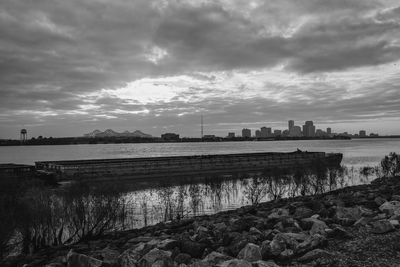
<point x="135" y="168"/>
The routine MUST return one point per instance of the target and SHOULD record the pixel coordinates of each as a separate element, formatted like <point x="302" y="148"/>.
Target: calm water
<point x="357" y="152"/>
<point x="163" y="202"/>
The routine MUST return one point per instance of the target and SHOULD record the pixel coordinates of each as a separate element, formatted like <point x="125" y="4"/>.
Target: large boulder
<point x="161" y="257"/>
<point x="382" y="226"/>
<point x="80" y="260"/>
<point x="250" y="252"/>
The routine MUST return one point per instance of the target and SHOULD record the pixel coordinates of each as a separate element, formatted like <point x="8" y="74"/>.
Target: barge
<point x="158" y="167"/>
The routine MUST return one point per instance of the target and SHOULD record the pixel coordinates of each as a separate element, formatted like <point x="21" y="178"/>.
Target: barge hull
<point x="136" y="168"/>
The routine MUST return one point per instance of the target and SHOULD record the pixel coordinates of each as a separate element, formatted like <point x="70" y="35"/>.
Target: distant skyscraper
<point x="362" y="133"/>
<point x="266" y="132"/>
<point x="231" y="135"/>
<point x="290" y="124"/>
<point x="246" y="133"/>
<point x="309" y="129"/>
<point x="258" y="134"/>
<point x="295" y="131"/>
<point x="328" y="130"/>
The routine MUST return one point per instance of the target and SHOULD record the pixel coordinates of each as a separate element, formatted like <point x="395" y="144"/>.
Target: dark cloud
<point x="57" y="56"/>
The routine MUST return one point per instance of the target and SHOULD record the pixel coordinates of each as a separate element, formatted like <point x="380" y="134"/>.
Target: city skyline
<point x="158" y="65"/>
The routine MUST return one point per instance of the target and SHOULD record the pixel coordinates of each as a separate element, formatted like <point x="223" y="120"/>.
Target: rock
<point x="81" y="260"/>
<point x="215" y="258"/>
<point x="278" y="213"/>
<point x="380" y="216"/>
<point x="315" y="254"/>
<point x="313" y="242"/>
<point x="339" y="232"/>
<point x="318" y="227"/>
<point x="303" y="212"/>
<point x="264" y="264"/>
<point x="390" y="208"/>
<point x="277" y="246"/>
<point x="379" y="201"/>
<point x="300" y="237"/>
<point x="395" y="223"/>
<point x="381" y="227"/>
<point x="307" y="223"/>
<point x="131" y="257"/>
<point x="162" y="257"/>
<point x="255" y="231"/>
<point x="183" y="258"/>
<point x="362" y="221"/>
<point x="108" y="255"/>
<point x="237" y="244"/>
<point x="286" y="254"/>
<point x="168" y="244"/>
<point x="221" y="227"/>
<point x="396" y="198"/>
<point x="348" y="216"/>
<point x="250" y="252"/>
<point x="140" y="239"/>
<point x="235" y="263"/>
<point x="194" y="249"/>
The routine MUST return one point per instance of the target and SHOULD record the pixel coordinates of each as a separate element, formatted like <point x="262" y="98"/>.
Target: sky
<point x="70" y="67"/>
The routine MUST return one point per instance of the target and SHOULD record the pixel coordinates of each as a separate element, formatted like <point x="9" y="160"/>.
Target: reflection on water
<point x="174" y="199"/>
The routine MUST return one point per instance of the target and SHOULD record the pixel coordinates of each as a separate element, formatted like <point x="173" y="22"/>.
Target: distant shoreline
<point x="127" y="140"/>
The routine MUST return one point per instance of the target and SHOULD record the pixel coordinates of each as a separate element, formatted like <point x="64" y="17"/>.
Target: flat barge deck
<point x="135" y="168"/>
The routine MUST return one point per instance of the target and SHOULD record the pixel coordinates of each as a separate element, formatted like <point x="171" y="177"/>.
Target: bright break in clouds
<point x="69" y="67"/>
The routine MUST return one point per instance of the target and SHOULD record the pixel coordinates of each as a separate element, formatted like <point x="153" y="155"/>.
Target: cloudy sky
<point x="69" y="67"/>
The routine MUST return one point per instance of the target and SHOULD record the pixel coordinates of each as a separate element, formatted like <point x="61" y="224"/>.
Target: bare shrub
<point x="92" y="211"/>
<point x="256" y="188"/>
<point x="390" y="165"/>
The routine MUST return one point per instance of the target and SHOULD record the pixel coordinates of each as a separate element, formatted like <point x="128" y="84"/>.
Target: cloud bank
<point x="67" y="67"/>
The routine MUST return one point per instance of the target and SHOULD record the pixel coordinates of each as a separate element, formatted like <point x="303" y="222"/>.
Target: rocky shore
<point x="354" y="226"/>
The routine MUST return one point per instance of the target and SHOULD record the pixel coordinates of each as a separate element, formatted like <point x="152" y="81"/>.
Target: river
<point x="356" y="152"/>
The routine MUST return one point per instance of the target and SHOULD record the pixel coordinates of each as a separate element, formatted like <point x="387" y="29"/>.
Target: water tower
<point x="24" y="135"/>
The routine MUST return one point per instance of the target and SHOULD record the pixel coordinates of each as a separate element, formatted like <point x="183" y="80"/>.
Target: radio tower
<point x="201" y="126"/>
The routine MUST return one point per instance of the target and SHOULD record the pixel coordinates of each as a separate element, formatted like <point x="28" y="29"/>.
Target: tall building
<point x="266" y="132"/>
<point x="258" y="134"/>
<point x="328" y="130"/>
<point x="362" y="133"/>
<point x="309" y="129"/>
<point x="295" y="131"/>
<point x="290" y="124"/>
<point x="246" y="133"/>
